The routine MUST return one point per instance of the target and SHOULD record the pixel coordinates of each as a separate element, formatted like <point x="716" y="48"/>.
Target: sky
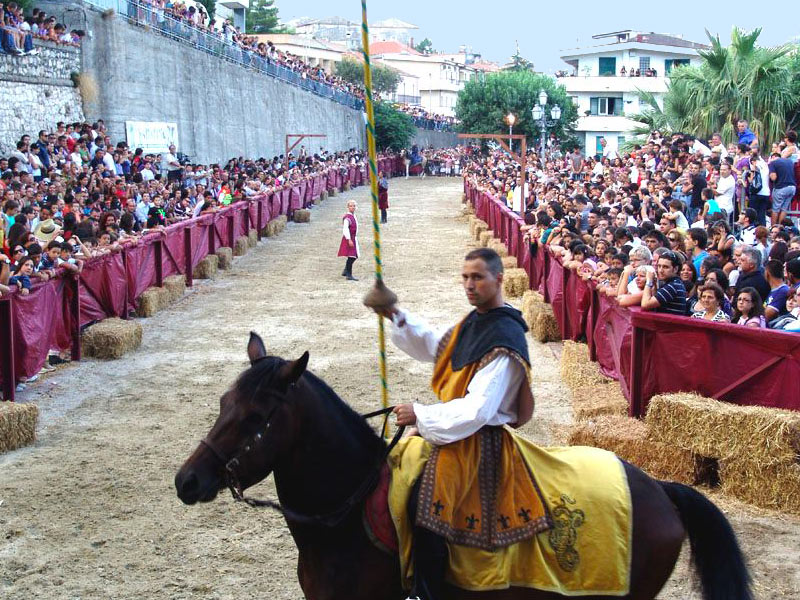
<point x="545" y="29"/>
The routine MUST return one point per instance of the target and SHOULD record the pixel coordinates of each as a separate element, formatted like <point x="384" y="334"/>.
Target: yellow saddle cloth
<point x="585" y="552"/>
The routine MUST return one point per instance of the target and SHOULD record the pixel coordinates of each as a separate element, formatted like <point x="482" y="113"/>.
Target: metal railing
<point x="159" y="21"/>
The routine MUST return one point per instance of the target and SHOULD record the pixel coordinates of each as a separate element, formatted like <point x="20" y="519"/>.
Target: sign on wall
<point x="152" y="137"/>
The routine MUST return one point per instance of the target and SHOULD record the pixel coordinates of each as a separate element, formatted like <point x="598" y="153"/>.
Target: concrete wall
<point x="222" y="109"/>
<point x="37" y="92"/>
<point x="426" y="138"/>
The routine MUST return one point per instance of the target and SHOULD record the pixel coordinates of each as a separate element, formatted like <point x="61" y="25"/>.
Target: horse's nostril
<point x="187" y="485"/>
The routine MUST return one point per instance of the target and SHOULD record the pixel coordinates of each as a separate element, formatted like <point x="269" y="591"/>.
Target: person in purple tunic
<point x="349" y="244"/>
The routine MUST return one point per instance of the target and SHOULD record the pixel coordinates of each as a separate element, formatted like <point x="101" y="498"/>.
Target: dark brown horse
<point x="279" y="418"/>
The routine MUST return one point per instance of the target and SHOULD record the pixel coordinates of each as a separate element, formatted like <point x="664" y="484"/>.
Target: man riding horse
<point x="481" y="376"/>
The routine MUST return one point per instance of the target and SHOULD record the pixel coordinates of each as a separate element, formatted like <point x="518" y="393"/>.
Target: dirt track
<point x="90" y="511"/>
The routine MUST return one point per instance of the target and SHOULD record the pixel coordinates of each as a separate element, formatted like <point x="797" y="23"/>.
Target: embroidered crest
<point x="564" y="534"/>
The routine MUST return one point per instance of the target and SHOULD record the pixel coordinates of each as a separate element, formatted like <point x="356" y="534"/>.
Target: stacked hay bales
<point x="531" y="305"/>
<point x="302" y="215"/>
<point x="17" y="425"/>
<point x="474" y="224"/>
<point x="333" y="192"/>
<point x="577" y="371"/>
<point x="485" y="238"/>
<point x="593" y="394"/>
<point x="206" y="268"/>
<point x="509" y="262"/>
<point x="757" y="449"/>
<point x="323" y="195"/>
<point x="225" y="258"/>
<point x="628" y="439"/>
<point x="151" y="301"/>
<point x="252" y="238"/>
<point x="240" y="246"/>
<point x="175" y="285"/>
<point x="111" y="338"/>
<point x="498" y="247"/>
<point x="515" y="282"/>
<point x="275" y="226"/>
<point x="346" y="187"/>
<point x="545" y="326"/>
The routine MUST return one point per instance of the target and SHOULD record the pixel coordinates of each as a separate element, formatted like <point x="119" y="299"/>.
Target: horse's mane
<point x="337" y="411"/>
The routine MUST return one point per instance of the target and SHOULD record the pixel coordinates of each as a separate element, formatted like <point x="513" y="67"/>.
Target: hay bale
<point x="252" y="238"/>
<point x="278" y="224"/>
<point x="627" y="438"/>
<point x="323" y="195"/>
<point x="598" y="400"/>
<point x="509" y="262"/>
<point x="480" y="229"/>
<point x="206" y="268"/>
<point x="333" y="192"/>
<point x="302" y="215"/>
<point x="346" y="187"/>
<point x="17" y="425"/>
<point x="175" y="285"/>
<point x="498" y="247"/>
<point x="474" y="222"/>
<point x="577" y="371"/>
<point x="716" y="429"/>
<point x="776" y="487"/>
<point x="151" y="301"/>
<point x="515" y="283"/>
<point x="531" y="304"/>
<point x="545" y="327"/>
<point x="485" y="239"/>
<point x="111" y="338"/>
<point x="225" y="258"/>
<point x="241" y="246"/>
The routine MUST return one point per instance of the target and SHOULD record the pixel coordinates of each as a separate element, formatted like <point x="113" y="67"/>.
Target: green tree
<point x="485" y="101"/>
<point x="519" y="62"/>
<point x="393" y="129"/>
<point x="384" y="79"/>
<point x="262" y="17"/>
<point x="739" y="81"/>
<point x="424" y="47"/>
<point x="210" y="6"/>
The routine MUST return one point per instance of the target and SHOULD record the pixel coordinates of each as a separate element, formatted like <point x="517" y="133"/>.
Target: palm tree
<point x="740" y="81"/>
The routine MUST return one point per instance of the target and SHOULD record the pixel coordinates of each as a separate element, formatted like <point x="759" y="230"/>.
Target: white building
<point x="603" y="90"/>
<point x="439" y="78"/>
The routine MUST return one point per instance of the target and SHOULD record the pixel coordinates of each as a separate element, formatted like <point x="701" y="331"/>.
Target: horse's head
<point x="253" y="429"/>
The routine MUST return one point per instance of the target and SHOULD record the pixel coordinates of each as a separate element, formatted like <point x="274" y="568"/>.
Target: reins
<point x="328" y="519"/>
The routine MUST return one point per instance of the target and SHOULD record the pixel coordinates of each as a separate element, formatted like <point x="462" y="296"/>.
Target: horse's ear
<point x="255" y="348"/>
<point x="292" y="370"/>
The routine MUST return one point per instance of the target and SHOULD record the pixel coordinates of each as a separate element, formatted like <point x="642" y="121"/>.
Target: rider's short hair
<point x="492" y="259"/>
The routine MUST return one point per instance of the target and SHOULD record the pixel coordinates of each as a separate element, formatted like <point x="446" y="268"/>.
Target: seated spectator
<point x="670" y="296"/>
<point x="749" y="309"/>
<point x="710" y="299"/>
<point x="779" y="291"/>
<point x="688" y="276"/>
<point x="22" y="276"/>
<point x="717" y="275"/>
<point x="750" y="274"/>
<point x="632" y="296"/>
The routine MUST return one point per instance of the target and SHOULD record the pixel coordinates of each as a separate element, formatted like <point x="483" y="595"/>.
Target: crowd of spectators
<point x="677" y="225"/>
<point x="427" y="120"/>
<point x="18" y="31"/>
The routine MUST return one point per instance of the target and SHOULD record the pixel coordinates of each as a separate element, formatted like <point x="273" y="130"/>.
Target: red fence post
<point x="187" y="251"/>
<point x="594" y="315"/>
<point x="158" y="251"/>
<point x="7" y="367"/>
<point x="565" y="275"/>
<point x="75" y="316"/>
<point x="635" y="408"/>
<point x="546" y="273"/>
<point x="212" y="235"/>
<point x="127" y="283"/>
<point x="259" y="217"/>
<point x="231" y="230"/>
<point x="246" y="215"/>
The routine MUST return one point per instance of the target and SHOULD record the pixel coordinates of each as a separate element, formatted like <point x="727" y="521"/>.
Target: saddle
<point x="586" y="551"/>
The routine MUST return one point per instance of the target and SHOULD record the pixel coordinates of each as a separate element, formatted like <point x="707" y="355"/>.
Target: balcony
<point x="593" y="83"/>
<point x="605" y="123"/>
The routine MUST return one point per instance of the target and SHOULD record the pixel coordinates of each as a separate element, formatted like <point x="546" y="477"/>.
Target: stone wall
<point x="37" y="91"/>
<point x="426" y="138"/>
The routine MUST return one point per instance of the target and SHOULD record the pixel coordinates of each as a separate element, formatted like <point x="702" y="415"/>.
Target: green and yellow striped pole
<point x="373" y="180"/>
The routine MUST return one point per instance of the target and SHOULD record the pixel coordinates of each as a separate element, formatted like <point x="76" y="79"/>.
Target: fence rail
<point x="651" y="353"/>
<point x="52" y="315"/>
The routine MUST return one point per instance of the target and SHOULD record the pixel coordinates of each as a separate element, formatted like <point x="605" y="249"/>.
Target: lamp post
<point x="510" y="120"/>
<point x="539" y="113"/>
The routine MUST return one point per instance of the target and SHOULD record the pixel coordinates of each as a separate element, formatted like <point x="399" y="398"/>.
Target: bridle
<point x="328" y="519"/>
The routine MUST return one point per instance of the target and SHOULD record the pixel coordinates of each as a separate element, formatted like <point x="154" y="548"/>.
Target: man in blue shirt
<point x="745" y="135"/>
<point x="776" y="301"/>
<point x="696" y="243"/>
<point x="781" y="173"/>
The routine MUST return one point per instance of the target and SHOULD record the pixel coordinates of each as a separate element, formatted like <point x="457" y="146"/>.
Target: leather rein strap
<point x="329" y="519"/>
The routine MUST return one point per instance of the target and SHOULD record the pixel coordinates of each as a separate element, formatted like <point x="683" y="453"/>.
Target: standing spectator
<point x="750" y="272"/>
<point x="173" y="165"/>
<point x="745" y="135"/>
<point x="383" y="195"/>
<point x="758" y="194"/>
<point x="696" y="243"/>
<point x="776" y="301"/>
<point x="781" y="173"/>
<point x="670" y="297"/>
<point x="724" y="189"/>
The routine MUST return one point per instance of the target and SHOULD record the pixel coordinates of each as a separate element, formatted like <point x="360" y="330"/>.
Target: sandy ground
<point x="90" y="511"/>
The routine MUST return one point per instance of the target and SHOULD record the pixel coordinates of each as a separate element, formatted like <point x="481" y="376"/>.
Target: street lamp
<point x="539" y="114"/>
<point x="510" y="119"/>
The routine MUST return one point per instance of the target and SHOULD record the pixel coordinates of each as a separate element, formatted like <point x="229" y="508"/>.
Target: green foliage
<point x="520" y="63"/>
<point x="424" y="47"/>
<point x="262" y="17"/>
<point x="485" y="101"/>
<point x="393" y="129"/>
<point x="384" y="79"/>
<point x="739" y="81"/>
<point x="210" y="6"/>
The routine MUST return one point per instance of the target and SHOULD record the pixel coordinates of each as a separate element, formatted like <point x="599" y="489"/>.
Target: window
<point x="620" y="141"/>
<point x="605" y="106"/>
<point x="676" y="62"/>
<point x="644" y="64"/>
<point x="608" y="66"/>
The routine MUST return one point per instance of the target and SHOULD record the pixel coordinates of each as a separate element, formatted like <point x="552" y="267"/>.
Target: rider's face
<point x="480" y="285"/>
